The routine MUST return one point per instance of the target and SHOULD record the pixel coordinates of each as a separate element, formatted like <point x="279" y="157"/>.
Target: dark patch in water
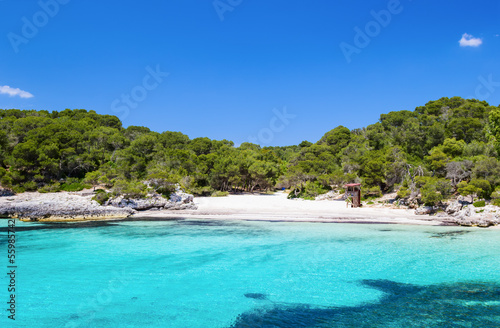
<point x="450" y="234"/>
<point x="110" y="223"/>
<point x="256" y="296"/>
<point x="177" y="222"/>
<point x="385" y="230"/>
<point x="61" y="225"/>
<point x="134" y="298"/>
<point x="404" y="305"/>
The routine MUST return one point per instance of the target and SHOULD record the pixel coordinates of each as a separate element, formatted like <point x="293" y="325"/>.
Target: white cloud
<point x="6" y="90"/>
<point x="468" y="40"/>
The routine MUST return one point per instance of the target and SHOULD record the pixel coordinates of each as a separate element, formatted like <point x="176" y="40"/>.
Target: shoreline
<point x="250" y="207"/>
<point x="277" y="218"/>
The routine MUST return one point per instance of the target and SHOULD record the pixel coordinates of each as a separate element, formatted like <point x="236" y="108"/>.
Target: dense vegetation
<point x="447" y="146"/>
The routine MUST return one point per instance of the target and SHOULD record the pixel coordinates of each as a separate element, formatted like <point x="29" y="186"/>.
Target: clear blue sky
<point x="226" y="76"/>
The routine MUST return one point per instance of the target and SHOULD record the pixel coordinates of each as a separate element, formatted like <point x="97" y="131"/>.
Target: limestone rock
<point x="454" y="207"/>
<point x="410" y="203"/>
<point x="177" y="201"/>
<point x="424" y="210"/>
<point x="481" y="217"/>
<point x="156" y="201"/>
<point x="58" y="206"/>
<point x="180" y="201"/>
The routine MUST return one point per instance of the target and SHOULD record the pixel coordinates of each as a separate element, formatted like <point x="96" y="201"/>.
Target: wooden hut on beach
<point x="353" y="194"/>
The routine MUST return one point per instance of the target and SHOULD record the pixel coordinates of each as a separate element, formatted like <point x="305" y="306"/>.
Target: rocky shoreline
<point x="79" y="206"/>
<point x="464" y="213"/>
<point x="458" y="211"/>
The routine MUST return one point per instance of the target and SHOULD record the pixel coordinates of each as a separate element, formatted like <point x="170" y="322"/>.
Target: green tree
<point x="466" y="189"/>
<point x="437" y="161"/>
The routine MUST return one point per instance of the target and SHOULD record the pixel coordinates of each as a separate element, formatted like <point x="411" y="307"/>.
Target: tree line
<point x="448" y="146"/>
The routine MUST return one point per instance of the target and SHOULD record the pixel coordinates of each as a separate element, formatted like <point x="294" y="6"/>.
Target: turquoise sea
<point x="195" y="273"/>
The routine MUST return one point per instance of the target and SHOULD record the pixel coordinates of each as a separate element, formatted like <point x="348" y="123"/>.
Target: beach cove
<point x="276" y="207"/>
<point x="73" y="207"/>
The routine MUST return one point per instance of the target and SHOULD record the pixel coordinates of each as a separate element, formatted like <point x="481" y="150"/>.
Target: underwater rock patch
<point x="404" y="305"/>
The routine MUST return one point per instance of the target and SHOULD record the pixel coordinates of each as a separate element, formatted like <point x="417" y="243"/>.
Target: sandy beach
<point x="277" y="207"/>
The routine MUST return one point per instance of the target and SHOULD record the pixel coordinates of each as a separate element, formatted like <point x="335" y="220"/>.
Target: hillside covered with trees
<point x="448" y="146"/>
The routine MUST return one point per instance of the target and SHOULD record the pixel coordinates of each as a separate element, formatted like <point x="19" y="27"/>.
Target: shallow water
<point x="194" y="273"/>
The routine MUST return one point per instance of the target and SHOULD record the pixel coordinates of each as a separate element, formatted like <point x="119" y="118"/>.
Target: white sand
<point x="278" y="208"/>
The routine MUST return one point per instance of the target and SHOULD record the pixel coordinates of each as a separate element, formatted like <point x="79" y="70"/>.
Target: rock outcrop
<point x="177" y="201"/>
<point x="142" y="204"/>
<point x="64" y="206"/>
<point x="454" y="207"/>
<point x="463" y="213"/>
<point x="425" y="210"/>
<point x="180" y="201"/>
<point x="478" y="216"/>
<point x="58" y="207"/>
<point x="410" y="202"/>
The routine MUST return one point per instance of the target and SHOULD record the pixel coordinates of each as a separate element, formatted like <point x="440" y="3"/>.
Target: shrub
<point x="432" y="189"/>
<point x="309" y="191"/>
<point x="6" y="181"/>
<point x="430" y="195"/>
<point x="129" y="189"/>
<point x="420" y="181"/>
<point x="55" y="187"/>
<point x="18" y="189"/>
<point x="92" y="178"/>
<point x="200" y="191"/>
<point x="495" y="202"/>
<point x="496" y="193"/>
<point x="30" y="186"/>
<point x="465" y="189"/>
<point x="483" y="186"/>
<point x="313" y="189"/>
<point x="101" y="196"/>
<point x="476" y="187"/>
<point x="443" y="186"/>
<point x="38" y="178"/>
<point x="218" y="193"/>
<point x="163" y="183"/>
<point x="72" y="186"/>
<point x="480" y="203"/>
<point x="373" y="192"/>
<point x="404" y="192"/>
